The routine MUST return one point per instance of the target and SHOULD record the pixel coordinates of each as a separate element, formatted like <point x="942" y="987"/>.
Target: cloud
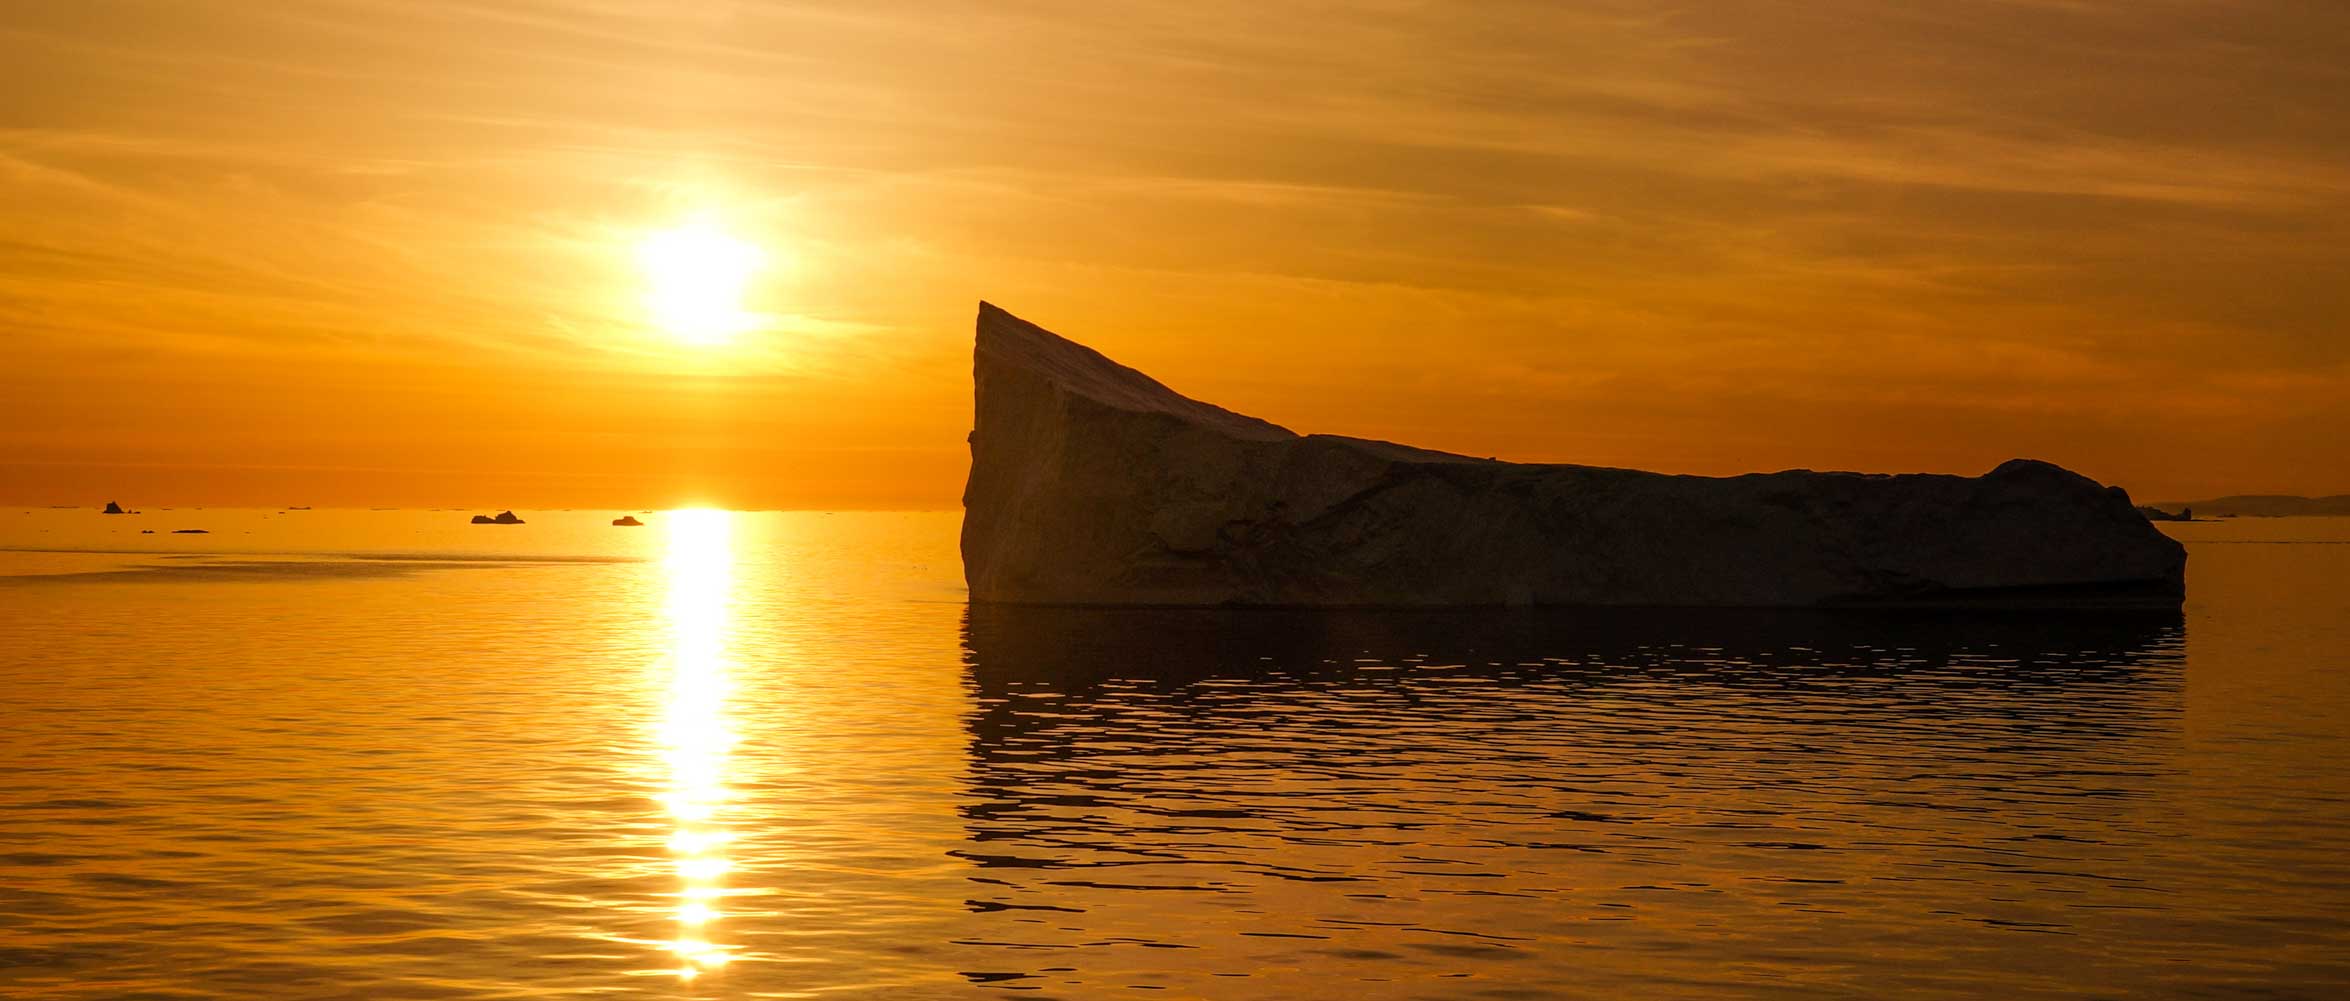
<point x="1709" y="214"/>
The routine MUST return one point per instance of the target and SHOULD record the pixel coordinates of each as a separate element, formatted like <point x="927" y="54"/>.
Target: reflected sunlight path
<point x="696" y="734"/>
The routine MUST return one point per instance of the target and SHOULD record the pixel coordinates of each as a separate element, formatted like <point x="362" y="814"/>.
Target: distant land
<point x="2262" y="506"/>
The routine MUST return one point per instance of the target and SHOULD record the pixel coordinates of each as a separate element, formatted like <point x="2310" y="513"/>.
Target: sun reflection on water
<point x="696" y="733"/>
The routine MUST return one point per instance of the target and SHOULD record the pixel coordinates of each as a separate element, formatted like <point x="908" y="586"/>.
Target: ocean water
<point x="355" y="754"/>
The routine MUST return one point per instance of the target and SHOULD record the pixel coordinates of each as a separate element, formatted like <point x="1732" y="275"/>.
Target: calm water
<point x="329" y="754"/>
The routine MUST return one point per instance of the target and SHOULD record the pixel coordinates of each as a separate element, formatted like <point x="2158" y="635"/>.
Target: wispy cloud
<point x="1766" y="221"/>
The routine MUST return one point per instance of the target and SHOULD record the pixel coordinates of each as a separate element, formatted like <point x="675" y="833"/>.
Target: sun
<point x="696" y="278"/>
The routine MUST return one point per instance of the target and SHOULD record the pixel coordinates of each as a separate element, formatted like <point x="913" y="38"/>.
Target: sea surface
<point x="389" y="754"/>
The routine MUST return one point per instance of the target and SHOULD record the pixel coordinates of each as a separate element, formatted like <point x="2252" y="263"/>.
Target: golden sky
<point x="387" y="252"/>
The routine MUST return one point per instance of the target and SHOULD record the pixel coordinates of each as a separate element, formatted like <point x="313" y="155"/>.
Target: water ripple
<point x="776" y="752"/>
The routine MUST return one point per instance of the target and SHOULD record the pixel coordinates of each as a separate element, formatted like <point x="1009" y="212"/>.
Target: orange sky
<point x="382" y="252"/>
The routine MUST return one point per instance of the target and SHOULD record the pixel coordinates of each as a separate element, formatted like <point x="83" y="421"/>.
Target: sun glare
<point x="696" y="279"/>
<point x="696" y="732"/>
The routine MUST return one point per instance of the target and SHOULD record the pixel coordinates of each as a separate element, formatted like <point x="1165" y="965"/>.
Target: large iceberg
<point x="1093" y="484"/>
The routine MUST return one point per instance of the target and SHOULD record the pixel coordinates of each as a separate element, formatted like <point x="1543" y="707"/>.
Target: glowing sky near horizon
<point x="379" y="252"/>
